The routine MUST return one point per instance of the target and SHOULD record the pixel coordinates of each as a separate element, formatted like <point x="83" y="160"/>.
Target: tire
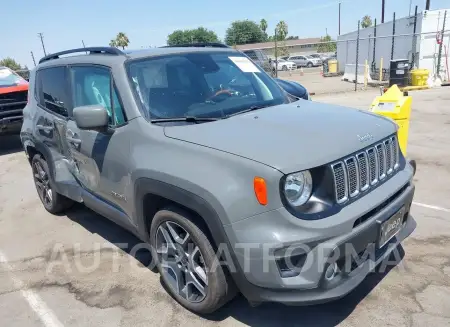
<point x="52" y="201"/>
<point x="284" y="68"/>
<point x="218" y="289"/>
<point x="309" y="65"/>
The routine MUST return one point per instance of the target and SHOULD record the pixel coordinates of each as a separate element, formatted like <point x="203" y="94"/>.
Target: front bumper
<point x="330" y="240"/>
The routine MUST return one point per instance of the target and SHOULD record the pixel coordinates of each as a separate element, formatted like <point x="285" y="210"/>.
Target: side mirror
<point x="91" y="117"/>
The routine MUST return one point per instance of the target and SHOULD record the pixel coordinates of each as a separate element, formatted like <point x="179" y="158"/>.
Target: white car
<point x="284" y="65"/>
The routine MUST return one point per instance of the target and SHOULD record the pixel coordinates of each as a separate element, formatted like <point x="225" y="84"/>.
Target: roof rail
<point x="198" y="45"/>
<point x="91" y="50"/>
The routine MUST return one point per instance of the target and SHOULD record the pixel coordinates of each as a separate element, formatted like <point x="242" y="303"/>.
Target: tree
<point x="244" y="32"/>
<point x="366" y="21"/>
<point x="201" y="35"/>
<point x="122" y="40"/>
<point x="327" y="44"/>
<point x="10" y="63"/>
<point x="263" y="25"/>
<point x="282" y="30"/>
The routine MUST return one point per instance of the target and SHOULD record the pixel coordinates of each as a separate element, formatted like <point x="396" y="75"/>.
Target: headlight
<point x="298" y="188"/>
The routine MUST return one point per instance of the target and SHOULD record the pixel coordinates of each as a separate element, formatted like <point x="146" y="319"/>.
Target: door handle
<point x="45" y="128"/>
<point x="73" y="140"/>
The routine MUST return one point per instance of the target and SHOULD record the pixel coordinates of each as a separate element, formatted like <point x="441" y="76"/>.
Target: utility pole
<point x="410" y="4"/>
<point x="382" y="11"/>
<point x="427" y="5"/>
<point x="82" y="41"/>
<point x="41" y="36"/>
<point x="339" y="18"/>
<point x="32" y="56"/>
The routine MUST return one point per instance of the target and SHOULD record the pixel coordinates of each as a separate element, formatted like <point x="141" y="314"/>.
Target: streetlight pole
<point x="339" y="18"/>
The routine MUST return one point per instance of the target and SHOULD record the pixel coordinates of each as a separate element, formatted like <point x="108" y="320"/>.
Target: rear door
<point x="302" y="60"/>
<point x="50" y="123"/>
<point x="93" y="152"/>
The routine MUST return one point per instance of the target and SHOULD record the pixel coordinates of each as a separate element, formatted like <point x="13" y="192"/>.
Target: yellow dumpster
<point x="332" y="66"/>
<point x="419" y="77"/>
<point x="395" y="105"/>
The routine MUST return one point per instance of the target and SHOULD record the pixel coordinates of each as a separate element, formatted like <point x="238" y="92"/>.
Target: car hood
<point x="289" y="137"/>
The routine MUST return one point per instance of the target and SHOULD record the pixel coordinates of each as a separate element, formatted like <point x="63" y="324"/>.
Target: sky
<point x="66" y="24"/>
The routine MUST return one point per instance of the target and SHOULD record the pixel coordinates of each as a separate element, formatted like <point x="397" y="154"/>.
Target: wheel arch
<point x="152" y="195"/>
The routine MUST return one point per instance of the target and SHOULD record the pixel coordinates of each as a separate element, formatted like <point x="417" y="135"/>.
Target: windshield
<point x="202" y="84"/>
<point x="9" y="78"/>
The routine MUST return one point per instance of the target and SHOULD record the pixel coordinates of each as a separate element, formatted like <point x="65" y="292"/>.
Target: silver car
<point x="305" y="61"/>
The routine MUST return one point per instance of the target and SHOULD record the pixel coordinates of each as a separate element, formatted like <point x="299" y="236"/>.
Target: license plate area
<point x="390" y="227"/>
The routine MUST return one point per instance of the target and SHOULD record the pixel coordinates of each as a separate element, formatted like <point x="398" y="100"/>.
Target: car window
<point x="201" y="84"/>
<point x="51" y="90"/>
<point x="91" y="85"/>
<point x="252" y="55"/>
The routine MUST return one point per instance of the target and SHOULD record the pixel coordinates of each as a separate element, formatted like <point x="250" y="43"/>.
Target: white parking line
<point x="35" y="302"/>
<point x="431" y="207"/>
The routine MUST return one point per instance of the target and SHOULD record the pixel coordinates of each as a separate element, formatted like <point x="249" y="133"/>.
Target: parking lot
<point x="68" y="270"/>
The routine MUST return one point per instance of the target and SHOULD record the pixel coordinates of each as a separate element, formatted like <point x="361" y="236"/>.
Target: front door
<point x="93" y="151"/>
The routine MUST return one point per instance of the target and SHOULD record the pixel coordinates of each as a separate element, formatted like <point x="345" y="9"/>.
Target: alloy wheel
<point x="181" y="262"/>
<point x="42" y="182"/>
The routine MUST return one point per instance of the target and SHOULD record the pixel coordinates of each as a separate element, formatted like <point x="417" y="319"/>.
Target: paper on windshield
<point x="245" y="64"/>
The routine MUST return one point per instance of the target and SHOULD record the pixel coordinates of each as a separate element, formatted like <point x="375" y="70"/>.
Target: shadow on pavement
<point x="267" y="314"/>
<point x="110" y="231"/>
<point x="10" y="144"/>
<point x="324" y="315"/>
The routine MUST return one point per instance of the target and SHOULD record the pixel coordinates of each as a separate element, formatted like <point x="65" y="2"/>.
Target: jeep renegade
<point x="235" y="185"/>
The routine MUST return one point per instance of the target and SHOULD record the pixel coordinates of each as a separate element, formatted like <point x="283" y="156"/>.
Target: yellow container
<point x="394" y="105"/>
<point x="419" y="77"/>
<point x="332" y="66"/>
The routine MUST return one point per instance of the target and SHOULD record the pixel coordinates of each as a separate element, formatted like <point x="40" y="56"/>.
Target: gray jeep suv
<point x="234" y="185"/>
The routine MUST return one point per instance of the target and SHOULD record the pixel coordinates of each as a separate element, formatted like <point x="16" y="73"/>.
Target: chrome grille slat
<point x="356" y="174"/>
<point x="373" y="165"/>
<point x="381" y="154"/>
<point x="353" y="176"/>
<point x="340" y="181"/>
<point x="395" y="152"/>
<point x="363" y="164"/>
<point x="389" y="161"/>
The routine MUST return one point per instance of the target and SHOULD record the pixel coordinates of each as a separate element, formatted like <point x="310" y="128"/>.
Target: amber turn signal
<point x="259" y="184"/>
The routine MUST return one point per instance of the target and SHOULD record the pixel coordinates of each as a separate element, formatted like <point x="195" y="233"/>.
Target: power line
<point x="41" y="36"/>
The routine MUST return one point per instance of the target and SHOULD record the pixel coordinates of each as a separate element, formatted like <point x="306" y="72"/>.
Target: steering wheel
<point x="221" y="94"/>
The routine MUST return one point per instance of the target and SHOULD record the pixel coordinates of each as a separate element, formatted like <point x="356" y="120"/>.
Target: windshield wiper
<point x="252" y="108"/>
<point x="189" y="119"/>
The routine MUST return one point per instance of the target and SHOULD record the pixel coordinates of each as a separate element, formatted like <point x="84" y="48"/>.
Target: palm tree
<point x="282" y="30"/>
<point x="263" y="25"/>
<point x="122" y="40"/>
<point x="366" y="21"/>
<point x="113" y="43"/>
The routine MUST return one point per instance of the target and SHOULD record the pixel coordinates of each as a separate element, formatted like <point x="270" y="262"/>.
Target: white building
<point x="429" y="23"/>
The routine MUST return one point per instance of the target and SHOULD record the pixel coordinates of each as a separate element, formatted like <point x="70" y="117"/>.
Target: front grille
<point x="358" y="173"/>
<point x="12" y="104"/>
